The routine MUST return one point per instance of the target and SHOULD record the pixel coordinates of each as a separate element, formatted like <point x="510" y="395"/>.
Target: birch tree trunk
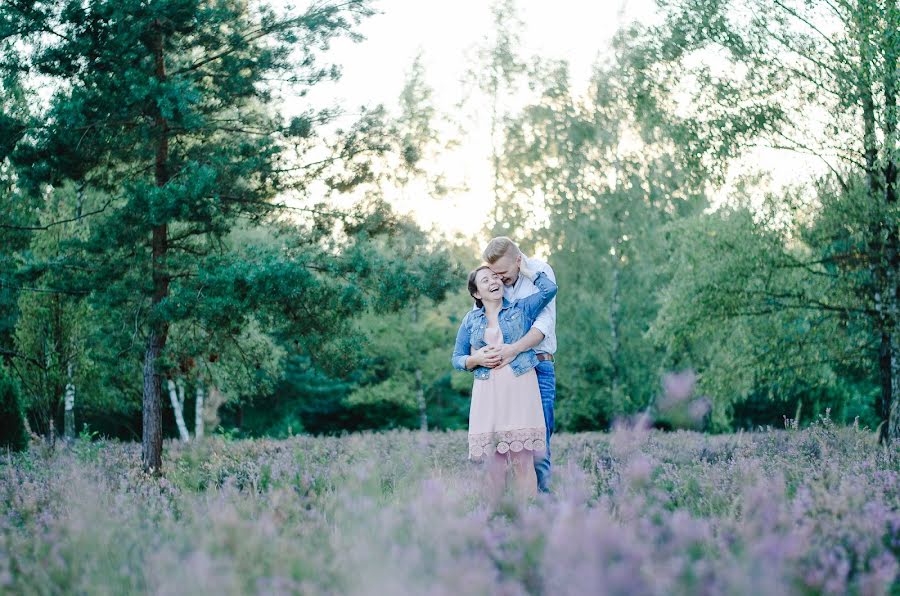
<point x="51" y="395"/>
<point x="69" y="419"/>
<point x="212" y="401"/>
<point x="198" y="411"/>
<point x="615" y="306"/>
<point x="176" y="396"/>
<point x="420" y="390"/>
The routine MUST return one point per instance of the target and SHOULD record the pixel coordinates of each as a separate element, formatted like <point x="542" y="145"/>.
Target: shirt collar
<point x="518" y="283"/>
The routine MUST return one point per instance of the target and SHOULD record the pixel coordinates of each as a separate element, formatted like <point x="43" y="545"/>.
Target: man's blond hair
<point x="497" y="248"/>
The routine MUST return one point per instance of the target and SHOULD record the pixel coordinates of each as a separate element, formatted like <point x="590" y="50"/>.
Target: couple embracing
<point x="508" y="341"/>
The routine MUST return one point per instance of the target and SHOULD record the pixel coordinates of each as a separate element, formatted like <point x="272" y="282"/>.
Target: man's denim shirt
<point x="515" y="318"/>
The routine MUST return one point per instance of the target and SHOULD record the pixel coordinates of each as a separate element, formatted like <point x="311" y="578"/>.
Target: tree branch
<point x="4" y="284"/>
<point x="57" y="223"/>
<point x="809" y="24"/>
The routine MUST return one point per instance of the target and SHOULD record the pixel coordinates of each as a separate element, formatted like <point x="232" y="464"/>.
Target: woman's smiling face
<point x="489" y="284"/>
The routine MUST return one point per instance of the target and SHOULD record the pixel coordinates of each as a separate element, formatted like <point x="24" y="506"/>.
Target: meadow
<point x="634" y="511"/>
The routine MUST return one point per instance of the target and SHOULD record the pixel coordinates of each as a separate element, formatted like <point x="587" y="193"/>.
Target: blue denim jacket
<point x="515" y="319"/>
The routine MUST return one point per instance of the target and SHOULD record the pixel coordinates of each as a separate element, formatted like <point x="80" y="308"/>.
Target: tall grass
<point x="633" y="512"/>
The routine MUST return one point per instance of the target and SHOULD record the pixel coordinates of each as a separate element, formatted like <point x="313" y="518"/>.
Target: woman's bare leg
<point x="496" y="464"/>
<point x="525" y="478"/>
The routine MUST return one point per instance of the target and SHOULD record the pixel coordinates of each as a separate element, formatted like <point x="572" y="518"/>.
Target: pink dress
<point x="506" y="413"/>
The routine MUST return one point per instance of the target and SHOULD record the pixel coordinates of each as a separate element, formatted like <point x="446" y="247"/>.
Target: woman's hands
<point x="488" y="356"/>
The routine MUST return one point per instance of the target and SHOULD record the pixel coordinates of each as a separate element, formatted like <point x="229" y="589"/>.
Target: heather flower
<point x="635" y="511"/>
<point x="699" y="408"/>
<point x="677" y="387"/>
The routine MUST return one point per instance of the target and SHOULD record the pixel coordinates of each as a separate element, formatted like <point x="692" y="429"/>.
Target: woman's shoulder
<point x="471" y="315"/>
<point x="515" y="308"/>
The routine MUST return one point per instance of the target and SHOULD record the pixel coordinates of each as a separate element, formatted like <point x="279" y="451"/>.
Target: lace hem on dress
<point x="503" y="441"/>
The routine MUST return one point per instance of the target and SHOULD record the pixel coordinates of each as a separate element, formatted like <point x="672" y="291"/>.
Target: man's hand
<point x="523" y="268"/>
<point x="507" y="353"/>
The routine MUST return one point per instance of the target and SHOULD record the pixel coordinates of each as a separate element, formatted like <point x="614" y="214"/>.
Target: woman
<point x="506" y="420"/>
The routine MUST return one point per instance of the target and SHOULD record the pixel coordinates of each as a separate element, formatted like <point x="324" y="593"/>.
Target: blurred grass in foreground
<point x="634" y="511"/>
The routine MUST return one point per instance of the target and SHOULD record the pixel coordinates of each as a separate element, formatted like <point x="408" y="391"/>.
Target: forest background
<point x="188" y="245"/>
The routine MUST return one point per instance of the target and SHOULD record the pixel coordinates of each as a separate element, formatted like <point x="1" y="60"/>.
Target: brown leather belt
<point x="545" y="356"/>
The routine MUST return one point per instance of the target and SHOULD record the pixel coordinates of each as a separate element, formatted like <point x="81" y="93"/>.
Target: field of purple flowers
<point x="634" y="512"/>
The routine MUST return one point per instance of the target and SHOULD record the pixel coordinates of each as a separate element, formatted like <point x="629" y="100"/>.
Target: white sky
<point x="447" y="33"/>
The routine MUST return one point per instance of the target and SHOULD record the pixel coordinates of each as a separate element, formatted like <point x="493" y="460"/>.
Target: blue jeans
<point x="546" y="376"/>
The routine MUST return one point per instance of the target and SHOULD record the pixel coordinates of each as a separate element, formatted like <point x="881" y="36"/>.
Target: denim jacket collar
<point x="479" y="311"/>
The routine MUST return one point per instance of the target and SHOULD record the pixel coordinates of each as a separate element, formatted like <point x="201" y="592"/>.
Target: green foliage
<point x="307" y="400"/>
<point x="760" y="323"/>
<point x="604" y="203"/>
<point x="408" y="341"/>
<point x="15" y="234"/>
<point x="849" y="400"/>
<point x="12" y="423"/>
<point x="53" y="325"/>
<point x="804" y="291"/>
<point x="771" y="304"/>
<point x="156" y="193"/>
<point x="366" y="380"/>
<point x="87" y="435"/>
<point x="163" y="147"/>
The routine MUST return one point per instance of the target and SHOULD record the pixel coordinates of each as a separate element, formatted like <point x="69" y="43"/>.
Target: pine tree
<point x="14" y="207"/>
<point x="12" y="424"/>
<point x="169" y="108"/>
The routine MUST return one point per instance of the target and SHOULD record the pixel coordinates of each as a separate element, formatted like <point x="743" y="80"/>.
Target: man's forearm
<point x="529" y="340"/>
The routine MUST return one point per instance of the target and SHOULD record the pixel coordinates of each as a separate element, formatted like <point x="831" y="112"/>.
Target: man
<point x="504" y="258"/>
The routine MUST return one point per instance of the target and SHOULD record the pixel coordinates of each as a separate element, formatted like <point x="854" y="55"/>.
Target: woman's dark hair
<point x="473" y="287"/>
